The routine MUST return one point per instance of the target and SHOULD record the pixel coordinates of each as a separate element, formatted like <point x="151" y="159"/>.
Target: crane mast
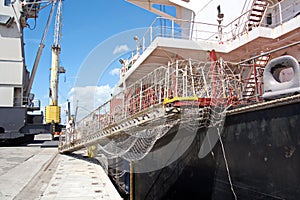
<point x="53" y="110"/>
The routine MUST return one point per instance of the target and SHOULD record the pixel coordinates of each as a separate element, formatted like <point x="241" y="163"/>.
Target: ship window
<point x="7" y="2"/>
<point x="269" y="19"/>
<point x="282" y="73"/>
<point x="170" y="10"/>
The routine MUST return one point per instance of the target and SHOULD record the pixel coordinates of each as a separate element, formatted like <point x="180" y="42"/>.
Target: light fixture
<point x="121" y="61"/>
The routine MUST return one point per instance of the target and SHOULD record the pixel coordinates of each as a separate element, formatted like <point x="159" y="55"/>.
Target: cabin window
<point x="7" y="2"/>
<point x="282" y="73"/>
<point x="269" y="19"/>
<point x="170" y="10"/>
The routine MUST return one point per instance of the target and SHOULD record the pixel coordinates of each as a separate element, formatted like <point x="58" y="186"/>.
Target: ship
<point x="207" y="110"/>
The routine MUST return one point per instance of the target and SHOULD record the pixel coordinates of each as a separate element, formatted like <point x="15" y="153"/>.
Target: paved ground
<point x="78" y="179"/>
<point x="30" y="172"/>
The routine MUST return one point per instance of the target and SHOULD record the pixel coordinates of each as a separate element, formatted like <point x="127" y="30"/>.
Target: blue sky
<point x="86" y="26"/>
<point x="95" y="35"/>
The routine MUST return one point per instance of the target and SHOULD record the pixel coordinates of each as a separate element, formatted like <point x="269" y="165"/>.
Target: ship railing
<point x="128" y="62"/>
<point x="175" y="28"/>
<point x="281" y="12"/>
<point x="218" y="33"/>
<point x="192" y="78"/>
<point x="192" y="30"/>
<point x="143" y="94"/>
<point x="182" y="81"/>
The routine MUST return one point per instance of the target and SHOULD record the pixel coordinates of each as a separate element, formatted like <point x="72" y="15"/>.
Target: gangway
<point x="134" y="119"/>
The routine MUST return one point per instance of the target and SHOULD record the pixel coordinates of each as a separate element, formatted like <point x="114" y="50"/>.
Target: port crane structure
<point x="53" y="110"/>
<point x="19" y="119"/>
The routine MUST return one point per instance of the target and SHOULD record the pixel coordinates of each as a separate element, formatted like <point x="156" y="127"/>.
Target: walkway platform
<point x="35" y="173"/>
<point x="75" y="178"/>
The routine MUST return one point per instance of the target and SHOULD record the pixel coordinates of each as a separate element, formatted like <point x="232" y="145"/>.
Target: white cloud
<point x="120" y="48"/>
<point x="89" y="98"/>
<point x="115" y="72"/>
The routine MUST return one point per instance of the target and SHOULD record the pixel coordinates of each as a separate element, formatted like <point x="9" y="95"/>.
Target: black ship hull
<point x="262" y="150"/>
<point x="262" y="153"/>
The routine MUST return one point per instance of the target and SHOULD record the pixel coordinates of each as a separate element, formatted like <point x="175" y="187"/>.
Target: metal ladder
<point x="256" y="14"/>
<point x="253" y="83"/>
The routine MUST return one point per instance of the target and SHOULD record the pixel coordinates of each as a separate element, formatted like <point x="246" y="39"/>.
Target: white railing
<point x="144" y="93"/>
<point x="200" y="31"/>
<point x="191" y="30"/>
<point x="188" y="79"/>
<point x="281" y="12"/>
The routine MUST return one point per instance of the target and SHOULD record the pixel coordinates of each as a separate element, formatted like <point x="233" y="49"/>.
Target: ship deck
<point x="164" y="48"/>
<point x="265" y="105"/>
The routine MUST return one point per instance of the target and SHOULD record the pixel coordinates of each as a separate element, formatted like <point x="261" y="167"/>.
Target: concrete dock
<point x="31" y="172"/>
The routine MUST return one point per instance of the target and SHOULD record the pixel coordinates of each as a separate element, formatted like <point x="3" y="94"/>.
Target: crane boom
<point x="58" y="24"/>
<point x="40" y="50"/>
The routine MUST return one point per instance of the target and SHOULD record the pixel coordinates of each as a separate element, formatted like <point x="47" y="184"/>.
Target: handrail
<point x="209" y="32"/>
<point x="152" y="90"/>
<point x="284" y="14"/>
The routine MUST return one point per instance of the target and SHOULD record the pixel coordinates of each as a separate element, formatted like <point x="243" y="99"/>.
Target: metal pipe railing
<point x="173" y="28"/>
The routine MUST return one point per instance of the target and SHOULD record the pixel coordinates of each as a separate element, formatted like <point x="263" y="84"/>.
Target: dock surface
<point x="31" y="172"/>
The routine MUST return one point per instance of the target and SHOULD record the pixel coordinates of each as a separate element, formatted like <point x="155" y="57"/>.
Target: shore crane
<point x="53" y="110"/>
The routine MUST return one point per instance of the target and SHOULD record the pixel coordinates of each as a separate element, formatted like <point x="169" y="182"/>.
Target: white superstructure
<point x="13" y="73"/>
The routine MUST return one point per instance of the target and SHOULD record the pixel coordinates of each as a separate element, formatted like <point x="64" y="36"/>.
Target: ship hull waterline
<point x="261" y="150"/>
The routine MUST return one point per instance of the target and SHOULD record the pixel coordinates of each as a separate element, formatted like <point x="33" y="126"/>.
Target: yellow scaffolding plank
<point x="171" y="100"/>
